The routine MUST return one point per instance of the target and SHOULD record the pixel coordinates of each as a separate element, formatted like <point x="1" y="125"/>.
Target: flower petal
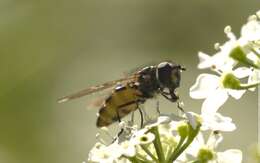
<point x="251" y="30"/>
<point x="252" y="56"/>
<point x="192" y="118"/>
<point x="214" y="140"/>
<point x="128" y="149"/>
<point x="242" y="72"/>
<point x="214" y="101"/>
<point x="205" y="60"/>
<point x="218" y="122"/>
<point x="254" y="78"/>
<point x="204" y="86"/>
<point x="197" y="143"/>
<point x="237" y="94"/>
<point x="230" y="156"/>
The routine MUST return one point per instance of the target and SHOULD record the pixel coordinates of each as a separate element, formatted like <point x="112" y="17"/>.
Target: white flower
<point x="192" y="152"/>
<point x="163" y="119"/>
<point x="141" y="139"/>
<point x="199" y="150"/>
<point x="199" y="143"/>
<point x="128" y="148"/>
<point x="105" y="154"/>
<point x="249" y="42"/>
<point x="210" y="88"/>
<point x="219" y="61"/>
<point x="251" y="30"/>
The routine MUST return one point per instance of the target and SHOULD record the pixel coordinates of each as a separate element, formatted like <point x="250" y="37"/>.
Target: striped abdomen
<point x="121" y="102"/>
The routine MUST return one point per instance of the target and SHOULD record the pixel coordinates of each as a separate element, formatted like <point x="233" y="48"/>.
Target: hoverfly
<point x="127" y="93"/>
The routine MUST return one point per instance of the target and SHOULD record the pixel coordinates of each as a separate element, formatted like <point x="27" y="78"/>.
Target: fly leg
<point x="132" y="118"/>
<point x="141" y="115"/>
<point x="122" y="128"/>
<point x="179" y="106"/>
<point x="157" y="108"/>
<point x="173" y="98"/>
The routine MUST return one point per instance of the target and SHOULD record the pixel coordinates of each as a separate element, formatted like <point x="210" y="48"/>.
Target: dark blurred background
<point x="50" y="48"/>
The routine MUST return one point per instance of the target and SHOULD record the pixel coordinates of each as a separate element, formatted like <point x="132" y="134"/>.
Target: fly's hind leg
<point x="122" y="128"/>
<point x="132" y="118"/>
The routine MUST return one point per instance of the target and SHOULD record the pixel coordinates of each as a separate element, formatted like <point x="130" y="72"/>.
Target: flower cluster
<point x="236" y="59"/>
<point x="168" y="139"/>
<point x="181" y="139"/>
<point x="161" y="140"/>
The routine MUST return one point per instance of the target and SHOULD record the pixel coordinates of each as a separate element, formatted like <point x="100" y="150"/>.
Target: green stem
<point x="149" y="153"/>
<point x="158" y="145"/>
<point x="142" y="159"/>
<point x="137" y="159"/>
<point x="248" y="86"/>
<point x="178" y="152"/>
<point x="133" y="159"/>
<point x="254" y="51"/>
<point x="176" y="149"/>
<point x="252" y="64"/>
<point x="196" y="161"/>
<point x="168" y="152"/>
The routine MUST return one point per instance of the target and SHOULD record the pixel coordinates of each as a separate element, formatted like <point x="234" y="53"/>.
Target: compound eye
<point x="176" y="77"/>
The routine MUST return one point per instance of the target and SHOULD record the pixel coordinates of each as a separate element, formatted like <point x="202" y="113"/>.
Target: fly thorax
<point x="148" y="84"/>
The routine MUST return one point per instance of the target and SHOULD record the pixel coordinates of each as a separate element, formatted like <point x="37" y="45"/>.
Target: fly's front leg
<point x="173" y="98"/>
<point x="179" y="106"/>
<point x="166" y="95"/>
<point x="157" y="108"/>
<point x="176" y="98"/>
<point x="141" y="115"/>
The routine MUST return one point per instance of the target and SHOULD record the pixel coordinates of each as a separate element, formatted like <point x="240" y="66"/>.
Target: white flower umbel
<point x="235" y="50"/>
<point x="165" y="140"/>
<point x="161" y="140"/>
<point x="236" y="60"/>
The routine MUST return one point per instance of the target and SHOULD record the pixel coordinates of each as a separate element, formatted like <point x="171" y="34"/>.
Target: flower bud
<point x="227" y="29"/>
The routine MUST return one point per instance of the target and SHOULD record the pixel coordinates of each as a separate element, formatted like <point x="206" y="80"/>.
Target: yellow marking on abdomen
<point x="122" y="101"/>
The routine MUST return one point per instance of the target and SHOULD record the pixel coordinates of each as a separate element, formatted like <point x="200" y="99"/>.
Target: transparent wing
<point x="93" y="89"/>
<point x="136" y="69"/>
<point x="98" y="102"/>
